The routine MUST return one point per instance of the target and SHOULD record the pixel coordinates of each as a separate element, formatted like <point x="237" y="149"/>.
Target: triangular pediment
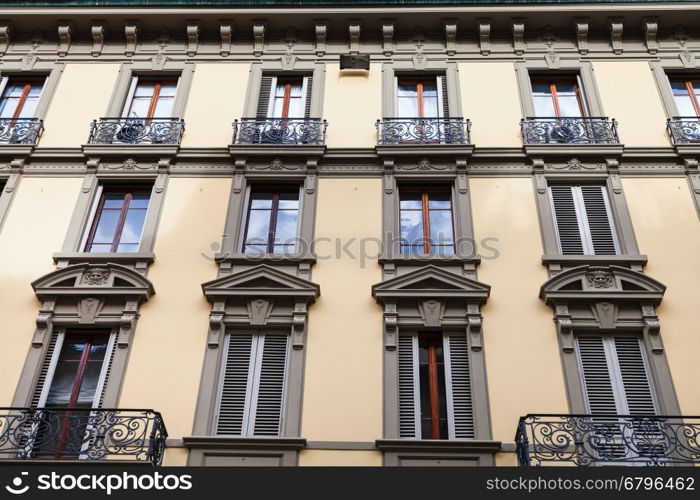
<point x="431" y="281"/>
<point x="93" y="280"/>
<point x="261" y="280"/>
<point x="602" y="282"/>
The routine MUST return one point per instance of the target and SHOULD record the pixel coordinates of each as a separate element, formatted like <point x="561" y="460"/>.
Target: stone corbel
<point x="650" y="28"/>
<point x="581" y="29"/>
<point x="44" y="323"/>
<point x="131" y="32"/>
<point x="65" y="32"/>
<point x="192" y="31"/>
<point x="226" y="35"/>
<point x="321" y="33"/>
<point x="538" y="172"/>
<point x="127" y="323"/>
<point x="216" y="324"/>
<point x="484" y="29"/>
<point x="613" y="167"/>
<point x="354" y="28"/>
<point x="259" y="29"/>
<point x="299" y="324"/>
<point x="450" y="26"/>
<point x="388" y="37"/>
<point x="565" y="327"/>
<point x="391" y="325"/>
<point x="691" y="170"/>
<point x="238" y="176"/>
<point x="615" y="25"/>
<point x="6" y="32"/>
<point x="474" y="327"/>
<point x="311" y="176"/>
<point x="518" y="28"/>
<point x="462" y="184"/>
<point x="389" y="182"/>
<point x="652" y="328"/>
<point x="97" y="31"/>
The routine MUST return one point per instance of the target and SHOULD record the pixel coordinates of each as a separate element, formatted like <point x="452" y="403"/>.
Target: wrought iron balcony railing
<point x="279" y="131"/>
<point x="20" y="130"/>
<point x="564" y="130"/>
<point x="136" y="131"/>
<point x="423" y="131"/>
<point x="82" y="434"/>
<point x="684" y="129"/>
<point x="608" y="439"/>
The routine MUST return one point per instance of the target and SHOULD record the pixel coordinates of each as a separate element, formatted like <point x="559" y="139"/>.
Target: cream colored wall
<point x="490" y="100"/>
<point x="629" y="94"/>
<point x="352" y="104"/>
<point x="343" y="378"/>
<point x="165" y="364"/>
<point x="345" y="458"/>
<point x="175" y="457"/>
<point x="82" y="95"/>
<point x="208" y="120"/>
<point x="668" y="232"/>
<point x="523" y="362"/>
<point x="34" y="229"/>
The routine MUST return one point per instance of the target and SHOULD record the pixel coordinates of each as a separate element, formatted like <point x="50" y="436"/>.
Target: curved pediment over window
<point x="261" y="280"/>
<point x="602" y="282"/>
<point x="94" y="280"/>
<point x="431" y="282"/>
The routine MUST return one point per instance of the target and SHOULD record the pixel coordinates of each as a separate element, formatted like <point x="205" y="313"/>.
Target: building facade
<point x="314" y="233"/>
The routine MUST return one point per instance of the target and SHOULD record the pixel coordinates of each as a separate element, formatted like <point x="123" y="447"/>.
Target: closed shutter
<point x="459" y="389"/>
<point x="266" y="85"/>
<point x="583" y="220"/>
<point x="409" y="404"/>
<point x="635" y="377"/>
<point x="443" y="97"/>
<point x="308" y="84"/>
<point x="252" y="392"/>
<point x="596" y="375"/>
<point x="598" y="218"/>
<point x="44" y="370"/>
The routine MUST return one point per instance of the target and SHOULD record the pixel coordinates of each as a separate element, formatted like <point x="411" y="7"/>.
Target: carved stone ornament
<point x="321" y="32"/>
<point x="600" y="279"/>
<point x="581" y="29"/>
<point x="96" y="277"/>
<point x="484" y="31"/>
<point x="88" y="309"/>
<point x="226" y="35"/>
<point x="387" y="37"/>
<point x="431" y="312"/>
<point x="606" y="313"/>
<point x="259" y="310"/>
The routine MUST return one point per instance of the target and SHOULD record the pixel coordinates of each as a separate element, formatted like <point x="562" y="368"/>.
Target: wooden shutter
<point x="234" y="386"/>
<point x="266" y="87"/>
<point x="130" y="97"/>
<point x="308" y="84"/>
<point x="3" y="84"/>
<point x="459" y="388"/>
<point x="270" y="384"/>
<point x="44" y="370"/>
<point x="409" y="404"/>
<point x="635" y="377"/>
<point x="107" y="370"/>
<point x="443" y="97"/>
<point x="566" y="220"/>
<point x="597" y="382"/>
<point x="598" y="219"/>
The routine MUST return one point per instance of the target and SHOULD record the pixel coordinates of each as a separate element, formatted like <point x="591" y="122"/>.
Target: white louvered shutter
<point x="252" y="393"/>
<point x="409" y="401"/>
<point x="44" y="370"/>
<point x="307" y="93"/>
<point x="130" y="97"/>
<point x="635" y="376"/>
<point x="459" y="388"/>
<point x="600" y="395"/>
<point x="266" y="88"/>
<point x="444" y="106"/>
<point x="583" y="220"/>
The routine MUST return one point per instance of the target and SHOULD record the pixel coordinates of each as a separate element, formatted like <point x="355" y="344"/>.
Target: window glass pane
<point x="100" y="247"/>
<point x="430" y="107"/>
<point x="128" y="247"/>
<point x="411" y="200"/>
<point x="439" y="200"/>
<point x="430" y="89"/>
<point x="544" y="106"/>
<point x="296" y="108"/>
<point x="411" y="227"/>
<point x="564" y="88"/>
<point x="164" y="107"/>
<point x="286" y="228"/>
<point x="441" y="227"/>
<point x="133" y="226"/>
<point x="106" y="226"/>
<point x="277" y="107"/>
<point x="114" y="200"/>
<point x="140" y="200"/>
<point x="541" y="89"/>
<point x="258" y="227"/>
<point x="139" y="107"/>
<point x="412" y="249"/>
<point x="407" y="107"/>
<point x="569" y="106"/>
<point x="679" y="87"/>
<point x="168" y="89"/>
<point x="295" y="89"/>
<point x="289" y="200"/>
<point x="407" y="90"/>
<point x="684" y="105"/>
<point x="29" y="108"/>
<point x="144" y="89"/>
<point x="696" y="87"/>
<point x="261" y="200"/>
<point x="8" y="107"/>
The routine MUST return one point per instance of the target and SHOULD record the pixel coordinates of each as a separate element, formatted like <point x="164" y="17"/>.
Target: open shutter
<point x="599" y="221"/>
<point x="130" y="97"/>
<point x="3" y="84"/>
<point x="106" y="372"/>
<point x="44" y="370"/>
<point x="595" y="371"/>
<point x="635" y="377"/>
<point x="444" y="106"/>
<point x="266" y="86"/>
<point x="409" y="404"/>
<point x="307" y="88"/>
<point x="270" y="385"/>
<point x="459" y="390"/>
<point x="566" y="220"/>
<point x="234" y="386"/>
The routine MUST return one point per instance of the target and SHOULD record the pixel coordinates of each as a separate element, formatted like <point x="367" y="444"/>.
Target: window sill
<point x="439" y="445"/>
<point x="270" y="259"/>
<point x="433" y="260"/>
<point x="139" y="260"/>
<point x="257" y="443"/>
<point x="16" y="150"/>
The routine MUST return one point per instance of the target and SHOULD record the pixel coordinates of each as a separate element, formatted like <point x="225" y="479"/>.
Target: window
<point x="583" y="220"/>
<point x="272" y="221"/>
<point x="20" y="97"/>
<point x="435" y="400"/>
<point x="118" y="220"/>
<point x="426" y="225"/>
<point x="252" y="388"/>
<point x="615" y="375"/>
<point x="285" y="97"/>
<point x="150" y="98"/>
<point x="424" y="97"/>
<point x="685" y="95"/>
<point x="558" y="97"/>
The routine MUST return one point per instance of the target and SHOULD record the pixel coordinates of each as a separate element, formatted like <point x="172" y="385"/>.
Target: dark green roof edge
<point x="301" y="3"/>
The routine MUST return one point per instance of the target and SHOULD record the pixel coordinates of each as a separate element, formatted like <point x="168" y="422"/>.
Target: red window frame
<point x="425" y="209"/>
<point x="28" y="83"/>
<point x="124" y="210"/>
<point x="275" y="191"/>
<point x="690" y="88"/>
<point x="288" y="83"/>
<point x="157" y="85"/>
<point x="432" y="342"/>
<point x="552" y="83"/>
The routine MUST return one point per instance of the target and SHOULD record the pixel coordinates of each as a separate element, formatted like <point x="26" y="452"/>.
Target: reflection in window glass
<point x="272" y="222"/>
<point x="118" y="221"/>
<point x="425" y="222"/>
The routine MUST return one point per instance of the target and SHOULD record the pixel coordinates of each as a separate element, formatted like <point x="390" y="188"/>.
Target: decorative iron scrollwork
<point x="20" y="130"/>
<point x="569" y="130"/>
<point x="684" y="129"/>
<point x="136" y="131"/>
<point x="423" y="131"/>
<point x="279" y="131"/>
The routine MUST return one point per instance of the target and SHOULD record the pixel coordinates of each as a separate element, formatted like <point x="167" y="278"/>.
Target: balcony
<point x="684" y="130"/>
<point x="134" y="131"/>
<point x="280" y="131"/>
<point x="398" y="131"/>
<point x="20" y="131"/>
<point x="90" y="435"/>
<point x="569" y="131"/>
<point x="608" y="439"/>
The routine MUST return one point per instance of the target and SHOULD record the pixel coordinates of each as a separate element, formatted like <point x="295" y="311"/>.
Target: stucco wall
<point x="345" y="458"/>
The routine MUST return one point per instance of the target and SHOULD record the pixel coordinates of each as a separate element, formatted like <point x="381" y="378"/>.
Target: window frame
<point x="552" y="80"/>
<point x="275" y="189"/>
<point x="425" y="192"/>
<point x="158" y="81"/>
<point x="5" y="80"/>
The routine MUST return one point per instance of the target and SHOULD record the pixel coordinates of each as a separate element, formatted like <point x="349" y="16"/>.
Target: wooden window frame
<point x="552" y="83"/>
<point x="425" y="210"/>
<point x="691" y="91"/>
<point x="124" y="210"/>
<point x="434" y="340"/>
<point x="155" y="96"/>
<point x="274" y="210"/>
<point x="28" y="84"/>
